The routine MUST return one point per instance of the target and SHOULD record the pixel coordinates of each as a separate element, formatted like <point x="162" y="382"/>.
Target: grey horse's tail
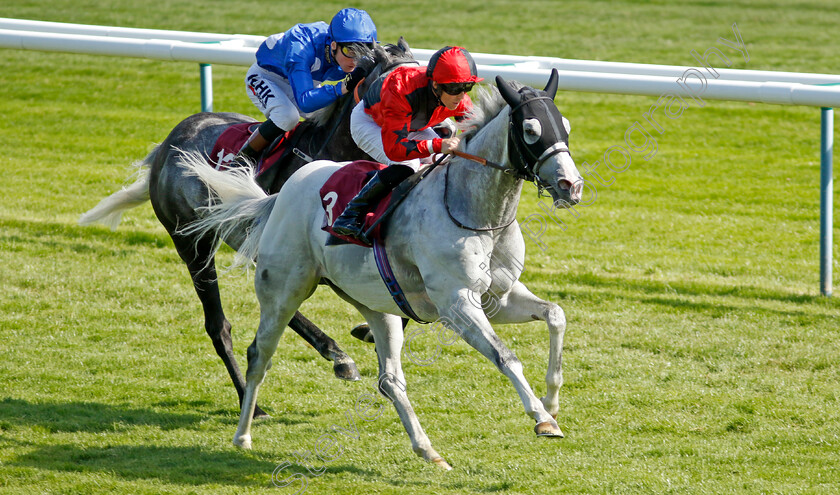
<point x="235" y="206"/>
<point x="109" y="211"/>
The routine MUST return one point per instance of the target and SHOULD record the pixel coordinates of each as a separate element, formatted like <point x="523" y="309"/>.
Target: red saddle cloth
<point x="232" y="140"/>
<point x="342" y="187"/>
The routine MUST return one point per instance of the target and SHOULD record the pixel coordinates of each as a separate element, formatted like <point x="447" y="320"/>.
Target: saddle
<point x="234" y="137"/>
<point x="342" y="187"/>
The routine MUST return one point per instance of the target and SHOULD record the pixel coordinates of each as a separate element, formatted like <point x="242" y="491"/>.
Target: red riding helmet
<point x="452" y="64"/>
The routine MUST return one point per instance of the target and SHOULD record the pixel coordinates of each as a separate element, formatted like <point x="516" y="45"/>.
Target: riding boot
<point x="251" y="152"/>
<point x="352" y="220"/>
<point x="258" y="140"/>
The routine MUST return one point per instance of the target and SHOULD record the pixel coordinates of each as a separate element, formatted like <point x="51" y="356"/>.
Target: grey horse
<point x="453" y="243"/>
<point x="177" y="197"/>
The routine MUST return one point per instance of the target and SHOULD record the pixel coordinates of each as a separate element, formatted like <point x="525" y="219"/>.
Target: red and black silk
<point x="405" y="102"/>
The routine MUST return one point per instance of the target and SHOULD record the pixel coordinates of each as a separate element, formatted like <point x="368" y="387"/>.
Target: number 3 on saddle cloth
<point x="234" y="137"/>
<point x="339" y="190"/>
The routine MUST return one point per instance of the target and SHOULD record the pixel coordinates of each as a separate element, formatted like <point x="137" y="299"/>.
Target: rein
<point x="480" y="160"/>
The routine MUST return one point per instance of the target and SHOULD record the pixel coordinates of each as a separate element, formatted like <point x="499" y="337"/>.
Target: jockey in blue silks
<point x="285" y="81"/>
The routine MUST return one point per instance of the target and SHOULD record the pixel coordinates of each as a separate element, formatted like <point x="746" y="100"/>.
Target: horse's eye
<point x="531" y="130"/>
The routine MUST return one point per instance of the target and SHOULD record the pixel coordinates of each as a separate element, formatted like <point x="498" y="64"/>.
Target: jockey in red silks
<point x="285" y="81"/>
<point x="393" y="124"/>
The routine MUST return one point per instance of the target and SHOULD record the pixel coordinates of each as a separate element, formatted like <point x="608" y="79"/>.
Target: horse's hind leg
<point x="280" y="291"/>
<point x="343" y="365"/>
<point x="215" y="323"/>
<point x="362" y="331"/>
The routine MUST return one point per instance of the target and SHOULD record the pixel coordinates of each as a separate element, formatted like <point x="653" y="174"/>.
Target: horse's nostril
<point x="565" y="185"/>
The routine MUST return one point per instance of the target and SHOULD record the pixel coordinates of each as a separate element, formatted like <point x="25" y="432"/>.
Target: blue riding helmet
<point x="352" y="26"/>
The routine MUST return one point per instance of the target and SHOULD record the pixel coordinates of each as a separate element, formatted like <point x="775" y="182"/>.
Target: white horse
<point x="452" y="243"/>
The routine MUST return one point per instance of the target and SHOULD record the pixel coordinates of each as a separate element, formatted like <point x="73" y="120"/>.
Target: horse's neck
<point x="331" y="139"/>
<point x="479" y="196"/>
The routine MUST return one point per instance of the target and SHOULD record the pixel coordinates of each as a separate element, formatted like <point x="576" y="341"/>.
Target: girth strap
<point x="387" y="274"/>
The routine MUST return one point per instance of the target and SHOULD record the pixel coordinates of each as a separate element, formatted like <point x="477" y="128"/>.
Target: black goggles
<point x="349" y="52"/>
<point x="456" y="88"/>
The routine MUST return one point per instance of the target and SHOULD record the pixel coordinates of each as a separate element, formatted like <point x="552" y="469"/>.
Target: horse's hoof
<point x="260" y="414"/>
<point x="363" y="333"/>
<point x="439" y="462"/>
<point x="547" y="429"/>
<point x="347" y="371"/>
<point x="244" y="441"/>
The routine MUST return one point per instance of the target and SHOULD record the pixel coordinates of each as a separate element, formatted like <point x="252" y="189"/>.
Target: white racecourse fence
<point x="667" y="82"/>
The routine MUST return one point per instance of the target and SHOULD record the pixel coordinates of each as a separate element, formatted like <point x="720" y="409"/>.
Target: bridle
<point x="519" y="154"/>
<point x="525" y="165"/>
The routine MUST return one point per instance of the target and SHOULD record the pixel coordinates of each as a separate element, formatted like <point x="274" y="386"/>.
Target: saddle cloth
<point x="234" y="137"/>
<point x="342" y="187"/>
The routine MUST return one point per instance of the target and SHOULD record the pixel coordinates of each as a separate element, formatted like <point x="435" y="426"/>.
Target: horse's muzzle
<point x="567" y="193"/>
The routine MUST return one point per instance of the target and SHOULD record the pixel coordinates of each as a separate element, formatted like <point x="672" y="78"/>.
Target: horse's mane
<point x="323" y="116"/>
<point x="487" y="104"/>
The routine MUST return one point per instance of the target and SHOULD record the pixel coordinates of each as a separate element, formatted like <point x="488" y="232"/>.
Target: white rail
<point x="231" y="52"/>
<point x="423" y="55"/>
<point x="548" y="63"/>
<point x="121" y="32"/>
<point x="227" y="52"/>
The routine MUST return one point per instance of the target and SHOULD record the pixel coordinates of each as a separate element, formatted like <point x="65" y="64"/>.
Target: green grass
<point x="699" y="356"/>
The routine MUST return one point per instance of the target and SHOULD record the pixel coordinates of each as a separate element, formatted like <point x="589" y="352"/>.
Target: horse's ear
<point x="403" y="44"/>
<point x="510" y="96"/>
<point x="551" y="87"/>
<point x="379" y="53"/>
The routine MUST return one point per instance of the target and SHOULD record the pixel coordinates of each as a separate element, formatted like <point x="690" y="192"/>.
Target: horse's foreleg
<point x="343" y="365"/>
<point x="520" y="306"/>
<point x="387" y="331"/>
<point x="469" y="321"/>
